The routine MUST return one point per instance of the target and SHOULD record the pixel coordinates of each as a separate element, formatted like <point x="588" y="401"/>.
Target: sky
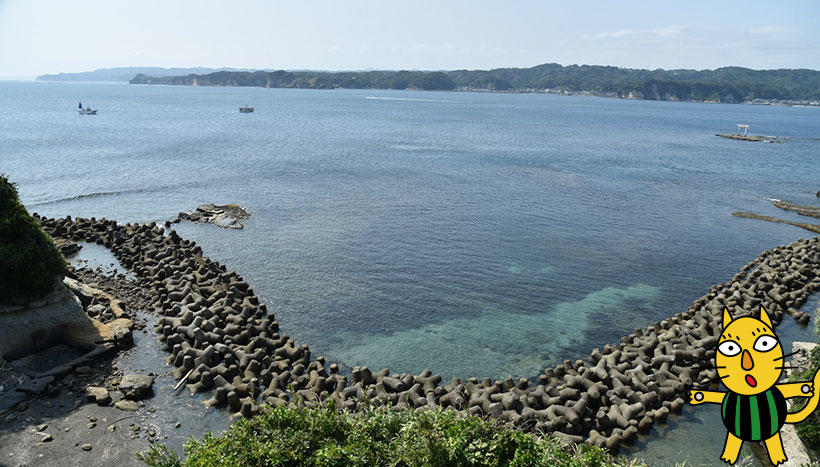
<point x="49" y="36"/>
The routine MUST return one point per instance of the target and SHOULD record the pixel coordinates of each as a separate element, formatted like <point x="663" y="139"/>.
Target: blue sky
<point x="47" y="36"/>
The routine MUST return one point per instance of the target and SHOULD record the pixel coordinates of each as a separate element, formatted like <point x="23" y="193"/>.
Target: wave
<point x="406" y="99"/>
<point x="96" y="194"/>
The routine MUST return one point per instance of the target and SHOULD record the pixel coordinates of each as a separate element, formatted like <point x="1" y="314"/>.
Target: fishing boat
<point x="86" y="110"/>
<point x="246" y="109"/>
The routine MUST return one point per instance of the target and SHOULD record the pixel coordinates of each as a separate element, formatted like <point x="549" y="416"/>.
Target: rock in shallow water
<point x="229" y="216"/>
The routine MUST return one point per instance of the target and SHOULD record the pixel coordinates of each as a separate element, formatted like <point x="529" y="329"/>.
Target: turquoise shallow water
<point x="475" y="234"/>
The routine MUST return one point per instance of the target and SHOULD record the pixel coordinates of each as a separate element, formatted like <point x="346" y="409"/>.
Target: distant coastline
<point x="124" y="74"/>
<point x="723" y="85"/>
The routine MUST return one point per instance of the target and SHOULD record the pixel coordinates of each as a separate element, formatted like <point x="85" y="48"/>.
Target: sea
<point x="474" y="234"/>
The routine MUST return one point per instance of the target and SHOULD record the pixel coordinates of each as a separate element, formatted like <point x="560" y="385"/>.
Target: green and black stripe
<point x="754" y="418"/>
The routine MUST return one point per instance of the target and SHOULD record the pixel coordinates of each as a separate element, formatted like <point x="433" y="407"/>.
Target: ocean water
<point x="474" y="234"/>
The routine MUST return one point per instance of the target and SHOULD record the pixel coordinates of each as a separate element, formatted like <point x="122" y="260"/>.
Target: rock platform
<point x="229" y="216"/>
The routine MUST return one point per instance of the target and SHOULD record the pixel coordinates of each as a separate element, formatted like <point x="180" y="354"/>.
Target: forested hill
<point x="730" y="84"/>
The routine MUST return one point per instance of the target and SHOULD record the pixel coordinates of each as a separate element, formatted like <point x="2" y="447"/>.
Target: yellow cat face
<point x="749" y="357"/>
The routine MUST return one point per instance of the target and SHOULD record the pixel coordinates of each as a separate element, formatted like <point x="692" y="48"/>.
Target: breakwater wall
<point x="220" y="335"/>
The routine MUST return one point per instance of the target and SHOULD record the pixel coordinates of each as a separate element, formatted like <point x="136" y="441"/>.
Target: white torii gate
<point x="745" y="129"/>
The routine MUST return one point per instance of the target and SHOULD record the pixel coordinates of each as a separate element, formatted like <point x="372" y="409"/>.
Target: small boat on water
<point x="246" y="109"/>
<point x="86" y="110"/>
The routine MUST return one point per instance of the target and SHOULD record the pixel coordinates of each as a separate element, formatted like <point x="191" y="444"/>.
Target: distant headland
<point x="124" y="74"/>
<point x="728" y="84"/>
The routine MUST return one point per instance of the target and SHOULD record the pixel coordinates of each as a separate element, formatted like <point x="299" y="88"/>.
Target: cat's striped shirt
<point x="754" y="418"/>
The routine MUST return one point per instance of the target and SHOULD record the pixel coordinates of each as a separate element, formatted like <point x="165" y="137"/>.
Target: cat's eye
<point x="765" y="343"/>
<point x="729" y="348"/>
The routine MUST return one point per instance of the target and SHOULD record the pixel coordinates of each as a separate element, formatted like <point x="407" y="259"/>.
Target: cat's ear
<point x="727" y="318"/>
<point x="764" y="316"/>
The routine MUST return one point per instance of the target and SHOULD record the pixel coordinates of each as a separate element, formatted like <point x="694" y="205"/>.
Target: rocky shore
<point x="224" y="342"/>
<point x="229" y="216"/>
<point x="800" y="209"/>
<point x="88" y="408"/>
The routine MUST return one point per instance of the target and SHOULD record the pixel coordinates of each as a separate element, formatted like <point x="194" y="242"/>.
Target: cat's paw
<point x="729" y="459"/>
<point x="696" y="397"/>
<point x="777" y="458"/>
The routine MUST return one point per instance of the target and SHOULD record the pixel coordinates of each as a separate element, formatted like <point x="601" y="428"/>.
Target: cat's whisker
<point x="725" y="376"/>
<point x="787" y="355"/>
<point x="787" y="367"/>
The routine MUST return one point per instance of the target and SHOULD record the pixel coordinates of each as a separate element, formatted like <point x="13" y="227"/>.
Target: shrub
<point x="808" y="429"/>
<point x="29" y="259"/>
<point x="375" y="436"/>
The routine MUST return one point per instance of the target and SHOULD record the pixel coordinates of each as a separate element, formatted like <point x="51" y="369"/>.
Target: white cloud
<point x="770" y="29"/>
<point x="669" y="31"/>
<point x="666" y="31"/>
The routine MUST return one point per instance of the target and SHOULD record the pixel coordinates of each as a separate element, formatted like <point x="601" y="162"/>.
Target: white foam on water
<point x="405" y="99"/>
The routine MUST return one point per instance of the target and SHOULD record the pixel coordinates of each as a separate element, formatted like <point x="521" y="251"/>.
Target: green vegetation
<point x="729" y="84"/>
<point x="375" y="436"/>
<point x="29" y="260"/>
<point x="431" y="81"/>
<point x="808" y="429"/>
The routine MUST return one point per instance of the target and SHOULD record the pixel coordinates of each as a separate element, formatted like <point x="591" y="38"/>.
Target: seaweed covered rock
<point x="29" y="259"/>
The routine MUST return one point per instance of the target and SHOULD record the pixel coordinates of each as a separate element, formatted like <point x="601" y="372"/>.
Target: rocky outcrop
<point x="25" y="329"/>
<point x="229" y="216"/>
<point x="750" y="215"/>
<point x="801" y="209"/>
<point x="223" y="341"/>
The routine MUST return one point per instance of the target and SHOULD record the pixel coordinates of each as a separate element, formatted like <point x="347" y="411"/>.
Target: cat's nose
<point x="746" y="361"/>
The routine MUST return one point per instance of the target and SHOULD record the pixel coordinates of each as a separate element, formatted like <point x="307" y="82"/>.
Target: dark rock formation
<point x="803" y="210"/>
<point x="750" y="215"/>
<point x="228" y="215"/>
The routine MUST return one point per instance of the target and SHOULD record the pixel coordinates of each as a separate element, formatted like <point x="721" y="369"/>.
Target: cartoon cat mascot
<point x="749" y="362"/>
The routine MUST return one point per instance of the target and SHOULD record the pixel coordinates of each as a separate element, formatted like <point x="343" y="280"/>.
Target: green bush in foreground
<point x="29" y="260"/>
<point x="808" y="429"/>
<point x="324" y="437"/>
